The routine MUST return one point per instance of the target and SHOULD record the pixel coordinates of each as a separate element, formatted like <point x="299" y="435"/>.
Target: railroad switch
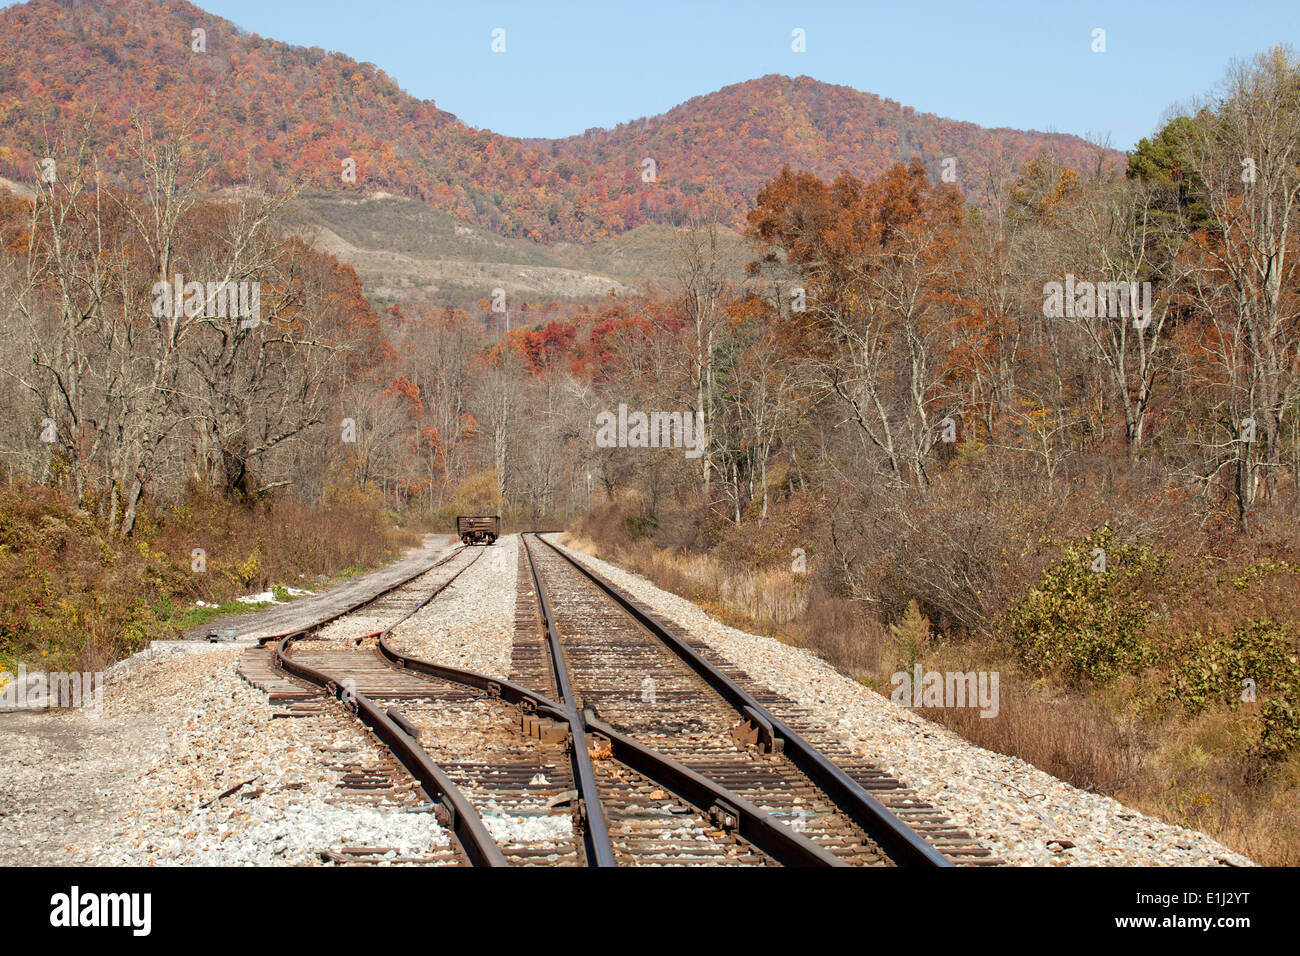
<point x="544" y="729"/>
<point x="724" y="816"/>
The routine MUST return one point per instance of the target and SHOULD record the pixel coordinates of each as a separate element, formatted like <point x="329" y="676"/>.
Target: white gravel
<point x="295" y="835"/>
<point x="1012" y="807"/>
<point x="469" y="625"/>
<point x="511" y="828"/>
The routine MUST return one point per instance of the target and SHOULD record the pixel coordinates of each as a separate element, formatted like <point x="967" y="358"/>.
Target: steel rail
<point x="457" y="813"/>
<point x="595" y="832"/>
<point x="433" y="594"/>
<point x="352" y="608"/>
<point x="900" y="841"/>
<point x="767" y="834"/>
<point x="508" y="691"/>
<point x="727" y="809"/>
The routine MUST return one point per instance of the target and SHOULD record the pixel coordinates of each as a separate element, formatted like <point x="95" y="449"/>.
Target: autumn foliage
<point x="266" y="110"/>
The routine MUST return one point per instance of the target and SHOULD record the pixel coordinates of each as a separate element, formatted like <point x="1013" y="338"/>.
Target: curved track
<point x="610" y="745"/>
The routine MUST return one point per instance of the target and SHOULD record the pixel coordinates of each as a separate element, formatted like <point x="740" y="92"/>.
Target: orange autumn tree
<point x="867" y="273"/>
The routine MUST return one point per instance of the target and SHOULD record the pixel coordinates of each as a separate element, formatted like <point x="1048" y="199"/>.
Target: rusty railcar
<point x="478" y="529"/>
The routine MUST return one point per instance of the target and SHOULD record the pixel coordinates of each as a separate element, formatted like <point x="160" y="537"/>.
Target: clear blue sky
<point x="573" y="65"/>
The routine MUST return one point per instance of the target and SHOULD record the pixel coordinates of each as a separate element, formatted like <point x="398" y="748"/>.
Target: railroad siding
<point x="315" y="609"/>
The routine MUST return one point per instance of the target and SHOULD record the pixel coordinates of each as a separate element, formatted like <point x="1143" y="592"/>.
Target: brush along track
<point x="626" y="670"/>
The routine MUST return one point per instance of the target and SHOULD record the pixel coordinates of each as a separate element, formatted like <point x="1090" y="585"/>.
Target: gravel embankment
<point x="130" y="786"/>
<point x="1022" y="814"/>
<point x="471" y="624"/>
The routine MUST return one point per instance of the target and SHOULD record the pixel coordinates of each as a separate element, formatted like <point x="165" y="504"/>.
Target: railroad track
<point x="303" y="670"/>
<point x="486" y="750"/>
<point x="600" y="750"/>
<point x="635" y="680"/>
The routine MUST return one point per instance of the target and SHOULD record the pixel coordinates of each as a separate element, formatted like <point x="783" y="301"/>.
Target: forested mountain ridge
<point x="270" y="111"/>
<point x="819" y="127"/>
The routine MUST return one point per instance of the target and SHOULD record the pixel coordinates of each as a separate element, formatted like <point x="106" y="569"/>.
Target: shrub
<point x="639" y="526"/>
<point x="1213" y="671"/>
<point x="77" y="598"/>
<point x="911" y="634"/>
<point x="1088" y="625"/>
<point x="1281" y="715"/>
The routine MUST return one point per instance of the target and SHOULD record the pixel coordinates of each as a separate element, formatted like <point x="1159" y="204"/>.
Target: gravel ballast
<point x="471" y="624"/>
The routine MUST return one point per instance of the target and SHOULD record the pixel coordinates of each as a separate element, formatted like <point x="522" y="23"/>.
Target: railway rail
<point x="615" y="740"/>
<point x="634" y="672"/>
<point x="465" y="748"/>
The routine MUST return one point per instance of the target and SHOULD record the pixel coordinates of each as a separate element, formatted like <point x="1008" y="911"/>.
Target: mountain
<point x="725" y="145"/>
<point x="269" y="111"/>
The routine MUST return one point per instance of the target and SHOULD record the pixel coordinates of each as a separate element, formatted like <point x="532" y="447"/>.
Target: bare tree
<point x="1245" y="152"/>
<point x="704" y="290"/>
